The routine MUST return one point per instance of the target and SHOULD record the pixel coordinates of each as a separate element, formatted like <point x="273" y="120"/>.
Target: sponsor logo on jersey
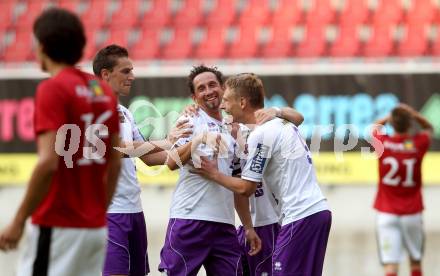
<point x="406" y="146"/>
<point x="259" y="158"/>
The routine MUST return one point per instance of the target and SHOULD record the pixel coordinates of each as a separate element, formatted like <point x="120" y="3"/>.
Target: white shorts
<point x="395" y="232"/>
<point x="55" y="251"/>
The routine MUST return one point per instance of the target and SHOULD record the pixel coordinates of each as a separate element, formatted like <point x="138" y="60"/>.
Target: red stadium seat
<point x="20" y="49"/>
<point x="415" y="41"/>
<point x="381" y="43"/>
<point x="314" y="44"/>
<point x="280" y="44"/>
<point x="245" y="46"/>
<point x="354" y="12"/>
<point x="346" y="43"/>
<point x="127" y="15"/>
<point x="213" y="45"/>
<point x="33" y="9"/>
<point x="71" y="5"/>
<point x="180" y="46"/>
<point x="158" y="16"/>
<point x="288" y="12"/>
<point x="189" y="15"/>
<point x="96" y="14"/>
<point x="118" y="36"/>
<point x="255" y="12"/>
<point x="6" y="8"/>
<point x="388" y="11"/>
<point x="223" y="14"/>
<point x="90" y="49"/>
<point x="147" y="47"/>
<point x="421" y="11"/>
<point x="322" y="11"/>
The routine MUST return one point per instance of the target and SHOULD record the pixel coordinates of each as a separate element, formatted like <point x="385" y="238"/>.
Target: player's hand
<point x="191" y="110"/>
<point x="253" y="240"/>
<point x="265" y="115"/>
<point x="208" y="168"/>
<point x="10" y="236"/>
<point x="182" y="129"/>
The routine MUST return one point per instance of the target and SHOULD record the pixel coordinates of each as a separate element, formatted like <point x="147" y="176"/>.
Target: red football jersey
<point x="82" y="109"/>
<point x="400" y="174"/>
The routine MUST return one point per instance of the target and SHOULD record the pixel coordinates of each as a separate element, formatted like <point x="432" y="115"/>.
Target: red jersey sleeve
<point x="50" y="110"/>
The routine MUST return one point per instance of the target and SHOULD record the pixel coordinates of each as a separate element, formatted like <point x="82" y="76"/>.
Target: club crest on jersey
<point x="259" y="158"/>
<point x="95" y="88"/>
<point x="408" y="145"/>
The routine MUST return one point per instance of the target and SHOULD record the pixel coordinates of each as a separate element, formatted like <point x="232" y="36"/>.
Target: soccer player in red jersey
<point x="76" y="126"/>
<point x="399" y="196"/>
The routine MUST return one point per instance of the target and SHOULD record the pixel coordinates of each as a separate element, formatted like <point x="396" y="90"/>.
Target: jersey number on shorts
<point x="391" y="178"/>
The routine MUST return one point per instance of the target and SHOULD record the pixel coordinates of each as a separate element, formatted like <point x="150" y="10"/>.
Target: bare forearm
<point x="291" y="115"/>
<point x="422" y="121"/>
<point x="235" y="184"/>
<point x="37" y="190"/>
<point x="242" y="208"/>
<point x="179" y="156"/>
<point x="382" y="121"/>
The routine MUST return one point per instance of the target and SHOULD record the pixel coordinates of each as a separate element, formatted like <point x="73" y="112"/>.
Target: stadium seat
<point x="20" y="49"/>
<point x="245" y="45"/>
<point x="180" y="45"/>
<point x="213" y="44"/>
<point x="71" y="5"/>
<point x="127" y="14"/>
<point x="27" y="18"/>
<point x="322" y="11"/>
<point x="421" y="11"/>
<point x="158" y="15"/>
<point x="223" y="14"/>
<point x="388" y="11"/>
<point x="118" y="36"/>
<point x="280" y="43"/>
<point x="354" y="12"/>
<point x="255" y="12"/>
<point x="96" y="15"/>
<point x="415" y="41"/>
<point x="380" y="43"/>
<point x="314" y="44"/>
<point x="6" y="19"/>
<point x="91" y="47"/>
<point x="287" y="12"/>
<point x="147" y="47"/>
<point x="189" y="15"/>
<point x="346" y="43"/>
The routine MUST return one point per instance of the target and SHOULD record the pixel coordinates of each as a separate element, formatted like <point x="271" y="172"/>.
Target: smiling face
<point x="121" y="77"/>
<point x="208" y="91"/>
<point x="232" y="104"/>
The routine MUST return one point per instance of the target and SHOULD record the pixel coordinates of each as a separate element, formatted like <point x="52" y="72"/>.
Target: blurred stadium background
<point x="338" y="62"/>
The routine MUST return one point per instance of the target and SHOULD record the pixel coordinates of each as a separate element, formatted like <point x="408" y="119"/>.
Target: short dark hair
<point x="248" y="85"/>
<point x="61" y="34"/>
<point x="400" y="119"/>
<point x="107" y="57"/>
<point x="199" y="69"/>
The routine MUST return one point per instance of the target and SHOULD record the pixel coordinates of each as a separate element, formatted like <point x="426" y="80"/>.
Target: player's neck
<point x="249" y="117"/>
<point x="53" y="68"/>
<point x="216" y="114"/>
<point x="401" y="133"/>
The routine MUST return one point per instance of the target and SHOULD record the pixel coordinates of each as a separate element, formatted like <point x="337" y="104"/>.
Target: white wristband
<point x="278" y="111"/>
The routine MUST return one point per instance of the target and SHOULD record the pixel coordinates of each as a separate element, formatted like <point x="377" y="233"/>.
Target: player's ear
<point x="105" y="74"/>
<point x="243" y="102"/>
